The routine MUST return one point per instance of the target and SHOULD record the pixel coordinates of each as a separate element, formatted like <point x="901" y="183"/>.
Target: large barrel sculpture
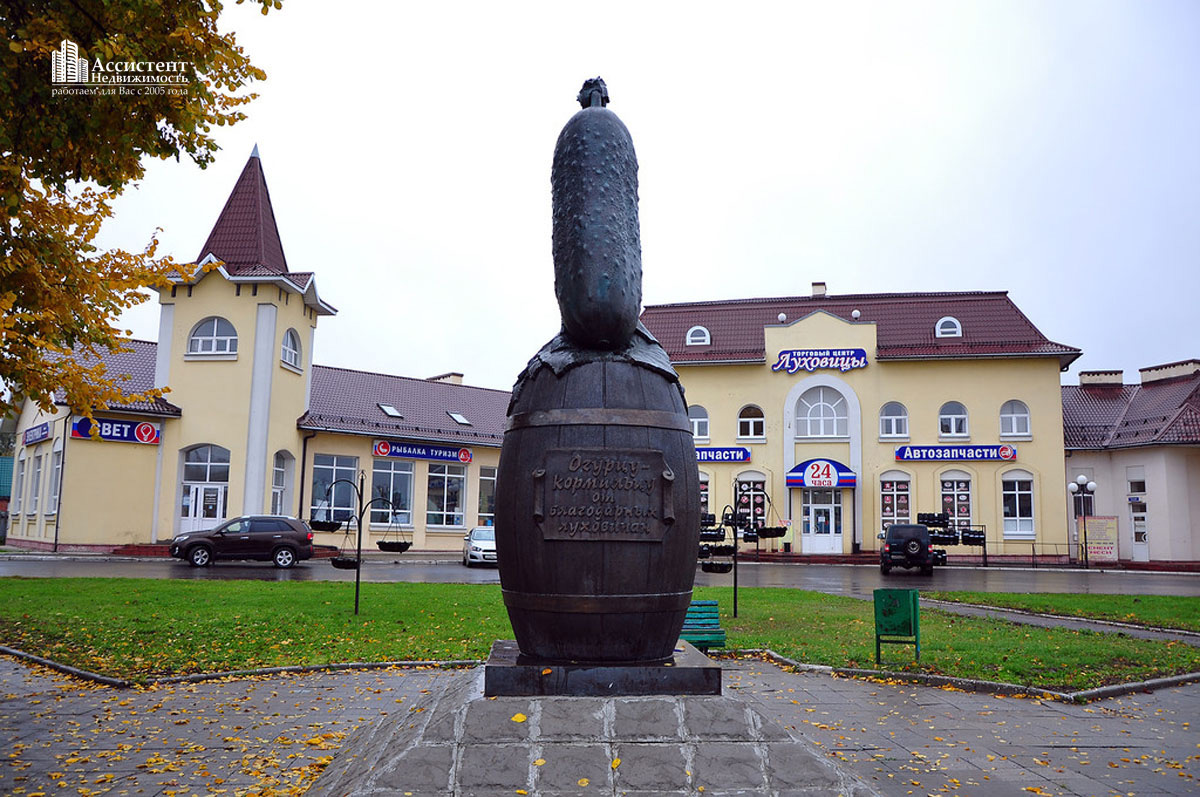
<point x="598" y="495"/>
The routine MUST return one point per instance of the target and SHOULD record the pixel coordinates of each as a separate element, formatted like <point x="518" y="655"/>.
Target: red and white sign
<point x="820" y="473"/>
<point x="382" y="448"/>
<point x="146" y="433"/>
<point x="464" y="455"/>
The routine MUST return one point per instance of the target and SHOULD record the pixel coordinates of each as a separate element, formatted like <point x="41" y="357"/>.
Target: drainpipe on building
<point x="303" y="470"/>
<point x="62" y="468"/>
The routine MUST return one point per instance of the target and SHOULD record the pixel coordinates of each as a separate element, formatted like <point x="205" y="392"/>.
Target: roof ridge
<point x="930" y="295"/>
<point x="406" y="378"/>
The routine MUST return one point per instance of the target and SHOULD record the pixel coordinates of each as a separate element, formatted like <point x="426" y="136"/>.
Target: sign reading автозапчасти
<point x="603" y="494"/>
<point x="793" y="360"/>
<point x="1003" y="453"/>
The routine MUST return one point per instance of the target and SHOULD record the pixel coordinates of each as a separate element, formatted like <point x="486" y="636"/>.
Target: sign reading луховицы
<point x="1002" y="453"/>
<point x="387" y="448"/>
<point x="793" y="360"/>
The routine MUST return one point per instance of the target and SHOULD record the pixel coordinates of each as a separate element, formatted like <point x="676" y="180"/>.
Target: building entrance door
<point x="202" y="507"/>
<point x="821" y="515"/>
<point x="1141" y="533"/>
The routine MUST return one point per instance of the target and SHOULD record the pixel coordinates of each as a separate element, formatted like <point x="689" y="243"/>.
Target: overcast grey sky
<point x="1048" y="148"/>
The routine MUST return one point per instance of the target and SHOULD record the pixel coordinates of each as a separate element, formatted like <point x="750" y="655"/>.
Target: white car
<point x="479" y="547"/>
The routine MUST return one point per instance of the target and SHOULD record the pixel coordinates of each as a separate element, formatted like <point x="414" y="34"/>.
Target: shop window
<point x="704" y="504"/>
<point x="281" y="482"/>
<point x="698" y="416"/>
<point x="822" y="412"/>
<point x="330" y="500"/>
<point x="952" y="420"/>
<point x="1017" y="495"/>
<point x="487" y="496"/>
<point x="752" y="497"/>
<point x="290" y="352"/>
<point x="204" y="497"/>
<point x="18" y="486"/>
<point x="55" y="476"/>
<point x="956" y="497"/>
<point x="698" y="336"/>
<point x="35" y="485"/>
<point x="894" y="498"/>
<point x="206" y="464"/>
<point x="213" y="335"/>
<point x="1014" y="419"/>
<point x="948" y="327"/>
<point x="752" y="423"/>
<point x="392" y="479"/>
<point x="893" y="420"/>
<point x="447" y="489"/>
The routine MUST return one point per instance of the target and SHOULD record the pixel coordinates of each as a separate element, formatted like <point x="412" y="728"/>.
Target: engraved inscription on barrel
<point x="604" y="494"/>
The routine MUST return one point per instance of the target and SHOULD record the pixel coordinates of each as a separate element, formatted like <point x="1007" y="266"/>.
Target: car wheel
<point x="200" y="556"/>
<point x="284" y="558"/>
<point x="885" y="568"/>
<point x="466" y="562"/>
<point x="913" y="547"/>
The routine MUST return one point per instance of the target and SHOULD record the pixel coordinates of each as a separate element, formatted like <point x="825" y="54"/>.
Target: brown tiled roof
<point x="138" y="365"/>
<point x="992" y="326"/>
<point x="245" y="237"/>
<point x="1161" y="412"/>
<point x="348" y="401"/>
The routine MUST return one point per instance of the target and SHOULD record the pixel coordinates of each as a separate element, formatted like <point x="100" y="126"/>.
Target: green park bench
<point x="703" y="626"/>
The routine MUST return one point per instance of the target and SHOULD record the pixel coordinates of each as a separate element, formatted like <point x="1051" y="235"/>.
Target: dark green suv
<point x="907" y="545"/>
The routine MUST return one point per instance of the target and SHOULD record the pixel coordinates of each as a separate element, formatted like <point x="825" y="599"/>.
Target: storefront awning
<point x="821" y="473"/>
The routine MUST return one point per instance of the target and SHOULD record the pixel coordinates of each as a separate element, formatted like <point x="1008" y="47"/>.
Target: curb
<point x="1089" y="620"/>
<point x="993" y="687"/>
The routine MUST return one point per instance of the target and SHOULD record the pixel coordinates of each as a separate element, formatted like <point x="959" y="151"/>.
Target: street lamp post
<point x="1083" y="488"/>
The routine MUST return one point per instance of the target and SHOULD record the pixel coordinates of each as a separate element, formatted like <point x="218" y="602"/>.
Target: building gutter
<point x="303" y="469"/>
<point x="62" y="470"/>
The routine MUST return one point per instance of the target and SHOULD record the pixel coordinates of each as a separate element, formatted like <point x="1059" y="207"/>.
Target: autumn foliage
<point x="64" y="159"/>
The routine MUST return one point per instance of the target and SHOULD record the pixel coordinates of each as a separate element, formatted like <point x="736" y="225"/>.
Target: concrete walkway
<point x="273" y="735"/>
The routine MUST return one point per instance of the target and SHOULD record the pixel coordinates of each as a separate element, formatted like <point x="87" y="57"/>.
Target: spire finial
<point x="254" y="154"/>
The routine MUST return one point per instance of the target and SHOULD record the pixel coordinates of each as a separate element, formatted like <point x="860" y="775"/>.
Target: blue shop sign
<point x="821" y="473"/>
<point x="793" y="360"/>
<point x="1003" y="453"/>
<point x="36" y="434"/>
<point x="117" y="431"/>
<point x="722" y="455"/>
<point x="387" y="448"/>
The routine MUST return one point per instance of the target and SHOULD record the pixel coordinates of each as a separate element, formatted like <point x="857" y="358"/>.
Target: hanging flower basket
<point x="324" y="525"/>
<point x="771" y="532"/>
<point x="716" y="567"/>
<point x="344" y="562"/>
<point x="393" y="546"/>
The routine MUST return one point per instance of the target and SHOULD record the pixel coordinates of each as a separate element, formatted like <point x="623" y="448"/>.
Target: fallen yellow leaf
<point x="519" y="717"/>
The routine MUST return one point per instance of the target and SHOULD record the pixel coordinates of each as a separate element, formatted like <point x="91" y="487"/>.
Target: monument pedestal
<point x="509" y="673"/>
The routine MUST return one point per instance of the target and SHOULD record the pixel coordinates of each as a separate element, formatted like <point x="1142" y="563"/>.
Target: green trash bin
<point x="897" y="619"/>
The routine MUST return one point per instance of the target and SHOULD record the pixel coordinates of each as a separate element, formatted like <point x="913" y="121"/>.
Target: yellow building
<point x="251" y="425"/>
<point x="834" y="416"/>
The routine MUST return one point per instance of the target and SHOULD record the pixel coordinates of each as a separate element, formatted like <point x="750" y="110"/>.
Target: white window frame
<point x="699" y="422"/>
<point x="751" y="485"/>
<point x="341" y="498"/>
<point x="956" y="477"/>
<point x="55" y="476"/>
<point x="487" y="475"/>
<point x="279" y="484"/>
<point x="751" y="427"/>
<point x="1014" y="414"/>
<point x="697" y="336"/>
<point x="35" y="485"/>
<point x="457" y="518"/>
<point x="813" y="399"/>
<point x="893" y="426"/>
<point x="959" y="422"/>
<point x="18" y="488"/>
<point x="1015" y="485"/>
<point x="948" y="327"/>
<point x="894" y="478"/>
<point x="218" y="345"/>
<point x="289" y="350"/>
<point x="391" y="469"/>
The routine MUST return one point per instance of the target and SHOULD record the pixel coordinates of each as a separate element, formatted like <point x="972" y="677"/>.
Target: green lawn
<point x="139" y="629"/>
<point x="1158" y="611"/>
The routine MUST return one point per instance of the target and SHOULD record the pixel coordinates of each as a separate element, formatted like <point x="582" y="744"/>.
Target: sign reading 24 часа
<point x="793" y="360"/>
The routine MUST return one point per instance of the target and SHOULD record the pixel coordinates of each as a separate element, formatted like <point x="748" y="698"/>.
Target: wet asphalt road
<point x="851" y="580"/>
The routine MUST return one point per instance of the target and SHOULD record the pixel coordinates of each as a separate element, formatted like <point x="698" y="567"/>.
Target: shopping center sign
<point x="793" y="360"/>
<point x="1004" y="453"/>
<point x="387" y="448"/>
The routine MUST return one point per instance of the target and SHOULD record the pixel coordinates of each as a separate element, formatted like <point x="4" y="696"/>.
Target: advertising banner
<point x="792" y="360"/>
<point x="388" y="448"/>
<point x="1101" y="538"/>
<point x="821" y="473"/>
<point x="998" y="453"/>
<point x="36" y="434"/>
<point x="117" y="431"/>
<point x="722" y="455"/>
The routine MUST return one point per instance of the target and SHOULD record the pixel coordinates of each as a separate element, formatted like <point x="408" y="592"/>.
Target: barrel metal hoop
<point x="656" y="419"/>
<point x="598" y="604"/>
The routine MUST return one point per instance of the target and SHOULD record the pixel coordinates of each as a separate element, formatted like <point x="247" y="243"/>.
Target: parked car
<point x="479" y="547"/>
<point x="908" y="545"/>
<point x="270" y="538"/>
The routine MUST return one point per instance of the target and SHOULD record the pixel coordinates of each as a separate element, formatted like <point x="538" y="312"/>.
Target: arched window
<point x="213" y="335"/>
<point x="751" y="422"/>
<point x="204" y="491"/>
<point x="751" y="497"/>
<point x="952" y="420"/>
<point x="18" y="484"/>
<point x="894" y="494"/>
<point x="206" y="464"/>
<point x="290" y="352"/>
<point x="956" y="497"/>
<point x="699" y="419"/>
<point x="698" y="336"/>
<point x="948" y="327"/>
<point x="1014" y="419"/>
<point x="281" y="482"/>
<point x="893" y="420"/>
<point x="822" y="412"/>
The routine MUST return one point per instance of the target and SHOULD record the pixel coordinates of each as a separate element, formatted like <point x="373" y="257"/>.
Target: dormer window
<point x="458" y="418"/>
<point x="698" y="336"/>
<point x="290" y="351"/>
<point x="390" y="411"/>
<point x="213" y="335"/>
<point x="948" y="327"/>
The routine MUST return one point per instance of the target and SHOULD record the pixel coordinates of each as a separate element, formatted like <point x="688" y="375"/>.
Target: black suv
<point x="268" y="538"/>
<point x="909" y="545"/>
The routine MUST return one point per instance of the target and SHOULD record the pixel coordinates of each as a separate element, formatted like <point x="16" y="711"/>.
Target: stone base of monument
<point x="510" y="673"/>
<point x="457" y="742"/>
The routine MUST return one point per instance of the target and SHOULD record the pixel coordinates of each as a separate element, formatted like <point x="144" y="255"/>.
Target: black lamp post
<point x="363" y="508"/>
<point x="1083" y="488"/>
